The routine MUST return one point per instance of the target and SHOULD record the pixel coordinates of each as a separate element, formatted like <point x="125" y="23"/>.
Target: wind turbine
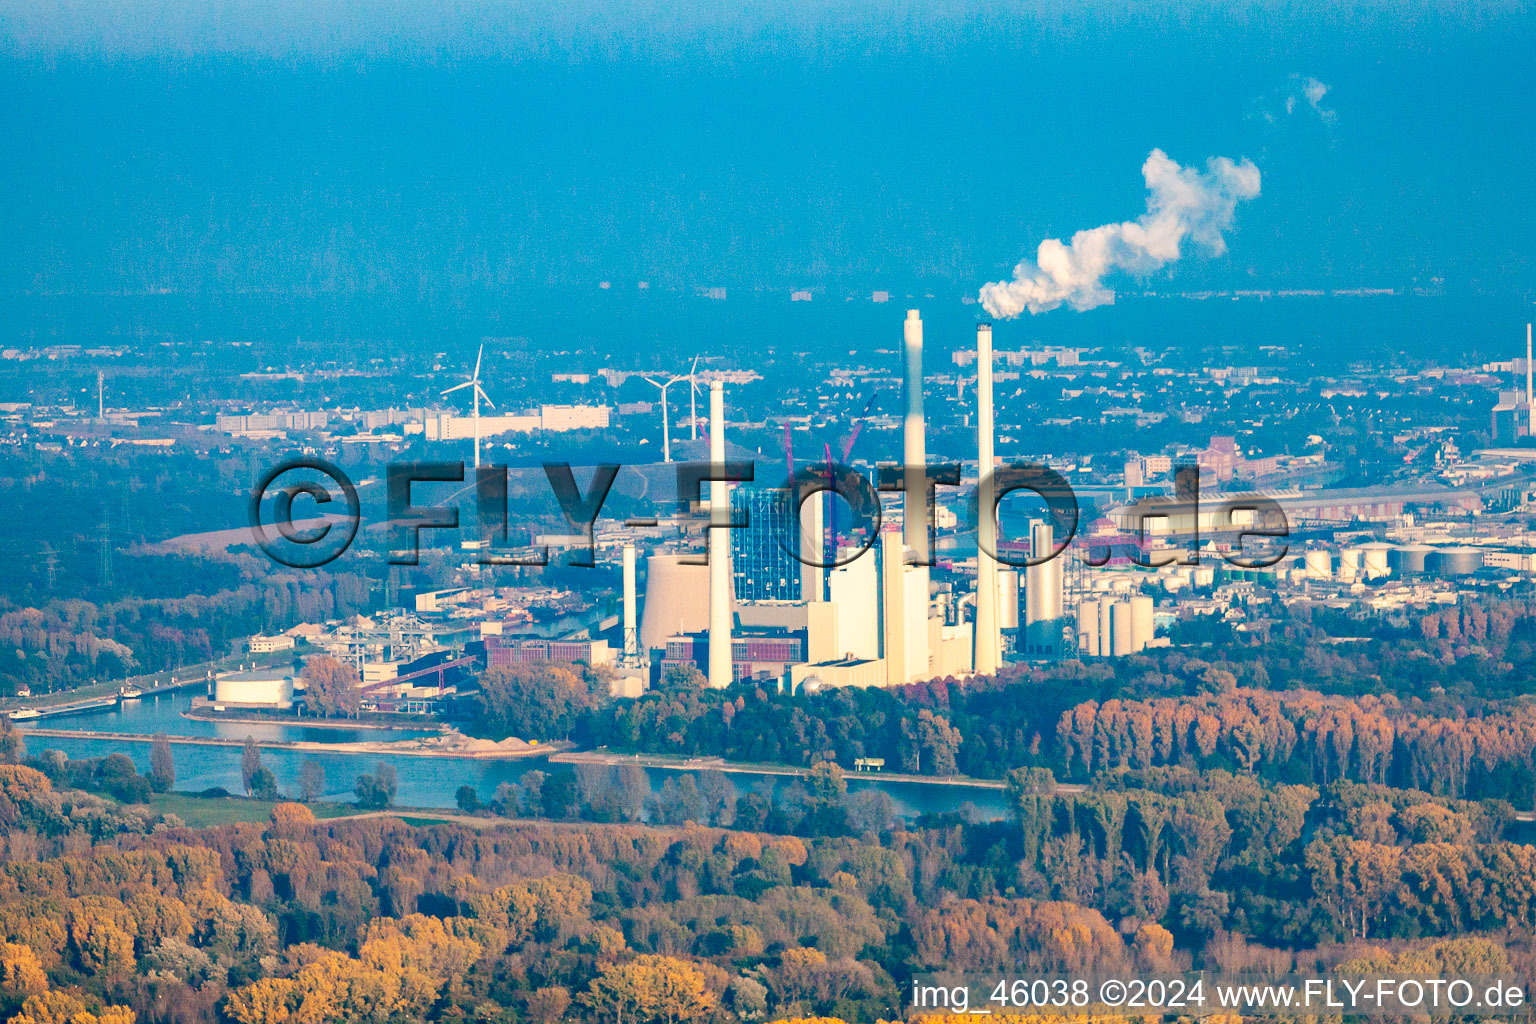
<point x="666" y="427"/>
<point x="479" y="393"/>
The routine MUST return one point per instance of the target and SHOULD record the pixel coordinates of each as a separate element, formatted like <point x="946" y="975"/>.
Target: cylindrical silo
<point x="1409" y="559"/>
<point x="1376" y="561"/>
<point x="1088" y="629"/>
<point x="1454" y="561"/>
<point x="1141" y="623"/>
<point x="1351" y="561"/>
<point x="1319" y="564"/>
<point x="1007" y="599"/>
<point x="1122" y="631"/>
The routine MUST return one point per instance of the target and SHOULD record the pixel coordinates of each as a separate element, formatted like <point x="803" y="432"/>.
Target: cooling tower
<point x="719" y="548"/>
<point x="1088" y="629"/>
<point x="1141" y="623"/>
<point x="1122" y="632"/>
<point x="988" y="639"/>
<point x="914" y="446"/>
<point x="676" y="600"/>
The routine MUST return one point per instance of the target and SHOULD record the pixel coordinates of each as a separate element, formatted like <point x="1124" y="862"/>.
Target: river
<point x="423" y="781"/>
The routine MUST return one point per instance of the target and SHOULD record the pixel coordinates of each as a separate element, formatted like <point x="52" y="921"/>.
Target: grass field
<point x="203" y="812"/>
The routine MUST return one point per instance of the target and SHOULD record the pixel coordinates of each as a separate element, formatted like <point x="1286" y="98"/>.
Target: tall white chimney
<point x="812" y="548"/>
<point x="988" y="639"/>
<point x="631" y="620"/>
<point x="719" y="548"/>
<point x="914" y="448"/>
<point x="1530" y="398"/>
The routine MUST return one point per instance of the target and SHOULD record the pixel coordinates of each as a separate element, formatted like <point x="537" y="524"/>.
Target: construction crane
<point x="858" y="425"/>
<point x="848" y="443"/>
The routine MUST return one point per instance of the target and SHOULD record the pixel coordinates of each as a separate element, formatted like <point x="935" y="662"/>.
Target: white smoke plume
<point x="1182" y="202"/>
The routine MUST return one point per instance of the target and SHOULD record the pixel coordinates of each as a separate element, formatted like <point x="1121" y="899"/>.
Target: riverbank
<point x="698" y="764"/>
<point x="202" y="713"/>
<point x="448" y="745"/>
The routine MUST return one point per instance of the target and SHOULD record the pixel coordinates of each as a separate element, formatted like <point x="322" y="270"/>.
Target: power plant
<point x="874" y="617"/>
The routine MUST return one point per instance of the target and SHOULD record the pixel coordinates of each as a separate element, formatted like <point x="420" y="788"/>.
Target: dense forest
<point x="112" y="913"/>
<point x="1442" y="702"/>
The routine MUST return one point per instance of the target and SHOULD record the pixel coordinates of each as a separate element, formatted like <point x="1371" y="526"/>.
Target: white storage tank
<point x="1319" y="564"/>
<point x="1122" y="629"/>
<point x="1007" y="598"/>
<point x="1088" y="629"/>
<point x="1376" y="562"/>
<point x="265" y="687"/>
<point x="1350" y="563"/>
<point x="1142" y="628"/>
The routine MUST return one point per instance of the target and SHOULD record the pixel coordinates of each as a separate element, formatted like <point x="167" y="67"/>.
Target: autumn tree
<point x="331" y="687"/>
<point x="536" y="701"/>
<point x="311" y="780"/>
<point x="649" y="989"/>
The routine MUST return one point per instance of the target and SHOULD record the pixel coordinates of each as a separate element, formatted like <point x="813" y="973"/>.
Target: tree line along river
<point x="424" y="781"/>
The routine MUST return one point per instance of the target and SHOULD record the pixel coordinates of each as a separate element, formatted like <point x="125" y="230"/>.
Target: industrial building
<point x="763" y="567"/>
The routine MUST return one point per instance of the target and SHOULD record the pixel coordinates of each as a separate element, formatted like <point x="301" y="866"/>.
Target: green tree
<point x="376" y="791"/>
<point x="264" y="784"/>
<point x="162" y="765"/>
<point x="250" y="762"/>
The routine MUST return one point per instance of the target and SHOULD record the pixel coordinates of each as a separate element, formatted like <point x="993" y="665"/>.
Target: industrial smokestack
<point x="914" y="448"/>
<point x="631" y="620"/>
<point x="988" y="640"/>
<point x="812" y="548"/>
<point x="719" y="547"/>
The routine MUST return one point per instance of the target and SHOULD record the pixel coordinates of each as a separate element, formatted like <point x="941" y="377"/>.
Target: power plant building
<point x="763" y="567"/>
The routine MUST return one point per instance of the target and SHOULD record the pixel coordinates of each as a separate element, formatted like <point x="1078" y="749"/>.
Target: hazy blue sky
<point x="440" y="149"/>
